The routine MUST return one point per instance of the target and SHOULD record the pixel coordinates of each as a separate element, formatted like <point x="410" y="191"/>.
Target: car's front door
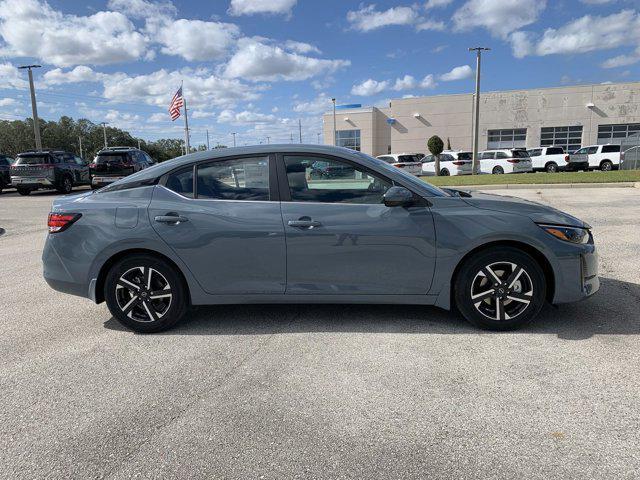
<point x="342" y="239"/>
<point x="228" y="229"/>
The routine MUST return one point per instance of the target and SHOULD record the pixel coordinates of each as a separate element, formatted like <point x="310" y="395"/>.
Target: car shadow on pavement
<point x="612" y="311"/>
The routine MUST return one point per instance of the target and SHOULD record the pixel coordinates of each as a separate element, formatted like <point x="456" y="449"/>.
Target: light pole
<point x="335" y="140"/>
<point x="34" y="108"/>
<point x="318" y="138"/>
<point x="80" y="143"/>
<point x="268" y="139"/>
<point x="104" y="133"/>
<point x="234" y="138"/>
<point x="476" y="126"/>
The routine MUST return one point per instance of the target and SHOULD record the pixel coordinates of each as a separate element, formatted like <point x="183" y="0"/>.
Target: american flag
<point x="177" y="102"/>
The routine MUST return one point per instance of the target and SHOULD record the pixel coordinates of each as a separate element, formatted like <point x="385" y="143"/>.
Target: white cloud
<point x="434" y="25"/>
<point x="301" y="47"/>
<point x="143" y="8"/>
<point x="201" y="114"/>
<point x="255" y="60"/>
<point x="622" y="60"/>
<point x="195" y="39"/>
<point x="597" y="2"/>
<point x="245" y="117"/>
<point x="369" y="87"/>
<point x="320" y="104"/>
<point x="201" y="88"/>
<point x="251" y="7"/>
<point x="499" y="17"/>
<point x="457" y="73"/>
<point x="81" y="73"/>
<point x="10" y="77"/>
<point x="65" y="40"/>
<point x="428" y="82"/>
<point x="5" y="102"/>
<point x="436" y="4"/>
<point x="405" y="83"/>
<point x="585" y="34"/>
<point x="158" y="117"/>
<point x="367" y="18"/>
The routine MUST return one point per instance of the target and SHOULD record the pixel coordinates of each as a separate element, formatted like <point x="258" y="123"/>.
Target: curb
<point x="534" y="186"/>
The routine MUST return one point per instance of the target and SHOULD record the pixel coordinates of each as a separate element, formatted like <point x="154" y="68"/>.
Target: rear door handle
<point x="173" y="219"/>
<point x="304" y="223"/>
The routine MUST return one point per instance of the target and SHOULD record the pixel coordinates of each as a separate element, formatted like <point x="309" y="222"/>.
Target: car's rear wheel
<point x="444" y="172"/>
<point x="65" y="186"/>
<point x="23" y="191"/>
<point x="500" y="289"/>
<point x="497" y="170"/>
<point x="145" y="293"/>
<point x="551" y="167"/>
<point x="606" y="166"/>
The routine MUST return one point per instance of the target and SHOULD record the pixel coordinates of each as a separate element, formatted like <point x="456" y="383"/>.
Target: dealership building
<point x="570" y="117"/>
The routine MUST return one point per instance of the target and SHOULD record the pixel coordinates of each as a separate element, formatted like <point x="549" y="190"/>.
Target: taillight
<point x="59" y="222"/>
<point x="458" y="162"/>
<point x="398" y="165"/>
<point x="513" y="160"/>
<point x="566" y="158"/>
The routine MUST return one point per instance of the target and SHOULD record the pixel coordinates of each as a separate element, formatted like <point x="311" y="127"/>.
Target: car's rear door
<point x="342" y="239"/>
<point x="226" y="225"/>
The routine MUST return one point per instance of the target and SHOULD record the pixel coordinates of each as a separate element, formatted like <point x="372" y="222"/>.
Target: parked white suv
<point x="505" y="160"/>
<point x="547" y="159"/>
<point x="451" y="163"/>
<point x="603" y="157"/>
<point x="410" y="162"/>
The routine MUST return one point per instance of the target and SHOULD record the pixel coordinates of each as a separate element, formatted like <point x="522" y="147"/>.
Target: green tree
<point x="436" y="146"/>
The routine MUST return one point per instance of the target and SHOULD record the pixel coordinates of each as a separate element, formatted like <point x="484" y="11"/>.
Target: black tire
<point x="134" y="307"/>
<point x="497" y="170"/>
<point x="495" y="311"/>
<point x="606" y="166"/>
<point x="66" y="186"/>
<point x="23" y="191"/>
<point x="551" y="167"/>
<point x="444" y="172"/>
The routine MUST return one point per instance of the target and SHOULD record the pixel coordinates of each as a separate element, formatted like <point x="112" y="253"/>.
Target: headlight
<point x="568" y="234"/>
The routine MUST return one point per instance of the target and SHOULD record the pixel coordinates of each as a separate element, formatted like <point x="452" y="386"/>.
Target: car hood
<point x="536" y="211"/>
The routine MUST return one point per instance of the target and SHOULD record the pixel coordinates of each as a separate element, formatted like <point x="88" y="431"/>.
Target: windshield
<point x="408" y="177"/>
<point x="520" y="154"/>
<point x="32" y="160"/>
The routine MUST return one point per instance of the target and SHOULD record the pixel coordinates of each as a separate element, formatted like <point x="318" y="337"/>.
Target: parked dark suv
<point x="5" y="175"/>
<point x="114" y="163"/>
<point x="48" y="169"/>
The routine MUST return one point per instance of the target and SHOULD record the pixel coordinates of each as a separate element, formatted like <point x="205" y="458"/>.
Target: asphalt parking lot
<point x="311" y="391"/>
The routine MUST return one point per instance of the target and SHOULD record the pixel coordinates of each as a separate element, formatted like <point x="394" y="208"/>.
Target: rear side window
<point x="181" y="181"/>
<point x="239" y="179"/>
<point x="501" y="155"/>
<point x="610" y="148"/>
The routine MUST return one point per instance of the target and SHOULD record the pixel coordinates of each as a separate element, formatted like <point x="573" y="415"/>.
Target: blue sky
<point x="257" y="66"/>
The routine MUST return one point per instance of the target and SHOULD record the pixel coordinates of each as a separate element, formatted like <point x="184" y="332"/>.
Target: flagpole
<point x="186" y="125"/>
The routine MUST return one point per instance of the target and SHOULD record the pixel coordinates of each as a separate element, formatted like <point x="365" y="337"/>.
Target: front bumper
<point x="578" y="277"/>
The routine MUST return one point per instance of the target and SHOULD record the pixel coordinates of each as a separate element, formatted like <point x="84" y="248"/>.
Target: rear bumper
<point x="575" y="166"/>
<point x="105" y="180"/>
<point x="32" y="182"/>
<point x="58" y="275"/>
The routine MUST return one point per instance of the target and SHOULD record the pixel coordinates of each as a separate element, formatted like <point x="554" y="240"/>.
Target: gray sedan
<point x="253" y="225"/>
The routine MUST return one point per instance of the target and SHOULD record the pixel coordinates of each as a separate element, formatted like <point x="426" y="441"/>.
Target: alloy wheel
<point x="143" y="294"/>
<point x="501" y="291"/>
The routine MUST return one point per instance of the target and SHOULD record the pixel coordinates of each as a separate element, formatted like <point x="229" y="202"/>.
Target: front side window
<point x="487" y="156"/>
<point x="592" y="150"/>
<point x="581" y="151"/>
<point x="238" y="179"/>
<point x="535" y="152"/>
<point x="332" y="181"/>
<point x="348" y="139"/>
<point x="501" y="155"/>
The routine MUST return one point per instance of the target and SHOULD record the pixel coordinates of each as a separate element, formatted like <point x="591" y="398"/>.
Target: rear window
<point x="520" y="154"/>
<point x="610" y="148"/>
<point x="111" y="157"/>
<point x="409" y="158"/>
<point x="465" y="156"/>
<point x="555" y="151"/>
<point x="33" y="160"/>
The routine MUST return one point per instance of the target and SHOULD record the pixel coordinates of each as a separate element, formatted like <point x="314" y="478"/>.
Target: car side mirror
<point x="397" y="197"/>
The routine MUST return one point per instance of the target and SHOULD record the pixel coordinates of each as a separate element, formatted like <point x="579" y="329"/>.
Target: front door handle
<point x="304" y="222"/>
<point x="171" y="218"/>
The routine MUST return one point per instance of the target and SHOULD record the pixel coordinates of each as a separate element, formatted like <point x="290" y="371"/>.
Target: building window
<point x="569" y="138"/>
<point x="348" y="139"/>
<point x="616" y="133"/>
<point x="507" y="138"/>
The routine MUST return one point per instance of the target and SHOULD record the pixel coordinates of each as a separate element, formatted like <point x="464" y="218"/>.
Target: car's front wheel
<point x="65" y="186"/>
<point x="23" y="191"/>
<point x="606" y="166"/>
<point x="145" y="293"/>
<point x="497" y="170"/>
<point x="551" y="167"/>
<point x="500" y="289"/>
